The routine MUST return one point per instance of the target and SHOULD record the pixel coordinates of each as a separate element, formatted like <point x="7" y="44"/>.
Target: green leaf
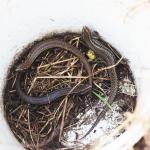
<point x="102" y="99"/>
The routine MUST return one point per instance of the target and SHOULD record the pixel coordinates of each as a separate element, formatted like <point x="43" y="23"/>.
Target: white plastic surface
<point x="123" y="23"/>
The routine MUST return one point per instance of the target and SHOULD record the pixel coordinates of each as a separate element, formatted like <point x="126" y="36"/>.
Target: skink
<point x="108" y="57"/>
<point x="35" y="52"/>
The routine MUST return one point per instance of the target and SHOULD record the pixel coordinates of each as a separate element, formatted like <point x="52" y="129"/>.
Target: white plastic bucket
<point x="124" y="24"/>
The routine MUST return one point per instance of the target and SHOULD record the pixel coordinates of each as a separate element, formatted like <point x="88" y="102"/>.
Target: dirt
<point x="42" y="127"/>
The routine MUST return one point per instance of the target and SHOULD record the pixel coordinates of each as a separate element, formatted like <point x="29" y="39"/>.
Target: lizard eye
<point x="95" y="35"/>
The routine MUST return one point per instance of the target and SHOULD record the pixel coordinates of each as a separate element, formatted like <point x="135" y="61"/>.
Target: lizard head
<point x="23" y="66"/>
<point x="86" y="33"/>
<point x="89" y="35"/>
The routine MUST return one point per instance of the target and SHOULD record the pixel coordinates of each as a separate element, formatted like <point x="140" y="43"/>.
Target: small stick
<point x="30" y="128"/>
<point x="55" y="63"/>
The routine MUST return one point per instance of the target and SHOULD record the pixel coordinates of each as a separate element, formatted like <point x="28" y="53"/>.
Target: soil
<point x="41" y="127"/>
